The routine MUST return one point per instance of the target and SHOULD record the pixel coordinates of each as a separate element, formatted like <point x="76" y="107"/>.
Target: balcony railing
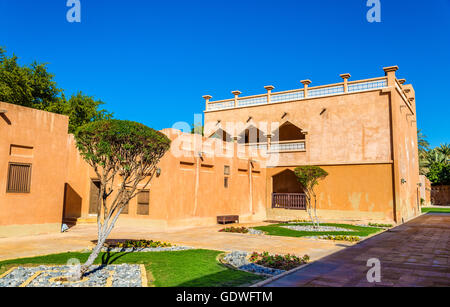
<point x="259" y="146"/>
<point x="292" y="201"/>
<point x="288" y="146"/>
<point x="283" y="146"/>
<point x="298" y="94"/>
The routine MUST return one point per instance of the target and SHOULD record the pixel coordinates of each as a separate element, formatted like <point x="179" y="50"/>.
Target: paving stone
<point x="414" y="254"/>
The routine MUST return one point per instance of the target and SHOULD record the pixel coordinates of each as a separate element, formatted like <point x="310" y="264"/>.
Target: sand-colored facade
<point x="193" y="187"/>
<point x="363" y="133"/>
<point x="189" y="191"/>
<point x="39" y="140"/>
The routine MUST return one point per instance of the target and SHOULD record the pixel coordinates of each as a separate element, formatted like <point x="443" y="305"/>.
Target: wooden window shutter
<point x="19" y="178"/>
<point x="143" y="202"/>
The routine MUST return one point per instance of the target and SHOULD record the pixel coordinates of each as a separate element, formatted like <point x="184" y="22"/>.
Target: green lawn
<point x="276" y="230"/>
<point x="438" y="210"/>
<point x="190" y="268"/>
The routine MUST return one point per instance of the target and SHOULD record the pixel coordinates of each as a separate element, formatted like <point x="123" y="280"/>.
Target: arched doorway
<point x="287" y="192"/>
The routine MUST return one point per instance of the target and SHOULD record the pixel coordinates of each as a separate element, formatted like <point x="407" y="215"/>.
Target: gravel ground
<point x="319" y="229"/>
<point x="123" y="275"/>
<point x="255" y="232"/>
<point x="239" y="260"/>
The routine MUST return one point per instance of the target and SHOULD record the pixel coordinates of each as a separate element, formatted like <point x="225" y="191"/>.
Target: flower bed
<point x="242" y="230"/>
<point x="235" y="229"/>
<point x="136" y="244"/>
<point x="279" y="262"/>
<point x="341" y="238"/>
<point x="380" y="225"/>
<point x="129" y="246"/>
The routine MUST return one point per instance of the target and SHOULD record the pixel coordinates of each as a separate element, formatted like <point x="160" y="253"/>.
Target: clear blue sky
<point x="151" y="61"/>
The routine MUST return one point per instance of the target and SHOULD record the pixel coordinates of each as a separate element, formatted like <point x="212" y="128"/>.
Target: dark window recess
<point x="143" y="202"/>
<point x="19" y="178"/>
<point x="226" y="170"/>
<point x="225" y="182"/>
<point x="93" y="200"/>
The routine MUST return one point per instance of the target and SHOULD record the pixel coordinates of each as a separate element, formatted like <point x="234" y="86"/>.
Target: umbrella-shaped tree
<point x="309" y="177"/>
<point x="124" y="155"/>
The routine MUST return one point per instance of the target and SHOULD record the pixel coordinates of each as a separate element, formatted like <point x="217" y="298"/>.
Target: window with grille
<point x="225" y="182"/>
<point x="19" y="178"/>
<point x="226" y="170"/>
<point x="143" y="202"/>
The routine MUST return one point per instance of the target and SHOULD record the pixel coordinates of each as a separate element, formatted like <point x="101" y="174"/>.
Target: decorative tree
<point x="309" y="177"/>
<point x="118" y="150"/>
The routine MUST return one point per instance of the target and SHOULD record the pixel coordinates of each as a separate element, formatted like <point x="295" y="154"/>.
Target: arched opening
<point x="288" y="132"/>
<point x="287" y="191"/>
<point x="252" y="135"/>
<point x="222" y="135"/>
<point x="286" y="182"/>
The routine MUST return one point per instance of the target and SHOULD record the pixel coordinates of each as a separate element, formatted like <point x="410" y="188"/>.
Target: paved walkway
<point x="414" y="254"/>
<point x="80" y="237"/>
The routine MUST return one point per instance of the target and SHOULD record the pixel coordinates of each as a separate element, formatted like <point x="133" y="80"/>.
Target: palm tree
<point x="424" y="148"/>
<point x="445" y="150"/>
<point x="422" y="142"/>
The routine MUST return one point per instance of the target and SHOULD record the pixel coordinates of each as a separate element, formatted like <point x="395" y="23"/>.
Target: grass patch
<point x="436" y="210"/>
<point x="277" y="230"/>
<point x="190" y="268"/>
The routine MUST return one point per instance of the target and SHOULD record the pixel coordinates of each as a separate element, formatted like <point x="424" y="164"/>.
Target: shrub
<point x="341" y="238"/>
<point x="380" y="225"/>
<point x="235" y="229"/>
<point x="280" y="262"/>
<point x="138" y="244"/>
<point x="299" y="221"/>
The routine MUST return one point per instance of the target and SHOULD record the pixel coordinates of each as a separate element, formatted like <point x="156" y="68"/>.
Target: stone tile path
<point x="414" y="254"/>
<point x="80" y="237"/>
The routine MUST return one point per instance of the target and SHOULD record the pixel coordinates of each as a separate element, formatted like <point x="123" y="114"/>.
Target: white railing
<point x="221" y="105"/>
<point x="252" y="101"/>
<point x="259" y="146"/>
<point x="290" y="96"/>
<point x="326" y="91"/>
<point x="288" y="146"/>
<point x="296" y="145"/>
<point x="294" y="95"/>
<point x="367" y="86"/>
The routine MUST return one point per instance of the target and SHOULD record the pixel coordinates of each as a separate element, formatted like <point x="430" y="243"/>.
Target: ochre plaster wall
<point x="45" y="135"/>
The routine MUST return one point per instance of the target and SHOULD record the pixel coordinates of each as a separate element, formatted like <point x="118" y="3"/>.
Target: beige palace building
<point x="363" y="133"/>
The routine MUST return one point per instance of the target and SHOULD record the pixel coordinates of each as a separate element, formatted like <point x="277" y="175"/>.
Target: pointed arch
<point x="288" y="131"/>
<point x="286" y="182"/>
<point x="221" y="135"/>
<point x="251" y="134"/>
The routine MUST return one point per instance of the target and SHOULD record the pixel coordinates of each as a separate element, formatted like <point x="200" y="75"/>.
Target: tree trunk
<point x="315" y="212"/>
<point x="94" y="254"/>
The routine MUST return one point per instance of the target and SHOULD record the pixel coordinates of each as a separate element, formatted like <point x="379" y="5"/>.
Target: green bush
<point x="380" y="225"/>
<point x="341" y="238"/>
<point x="280" y="262"/>
<point x="235" y="229"/>
<point x="138" y="244"/>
